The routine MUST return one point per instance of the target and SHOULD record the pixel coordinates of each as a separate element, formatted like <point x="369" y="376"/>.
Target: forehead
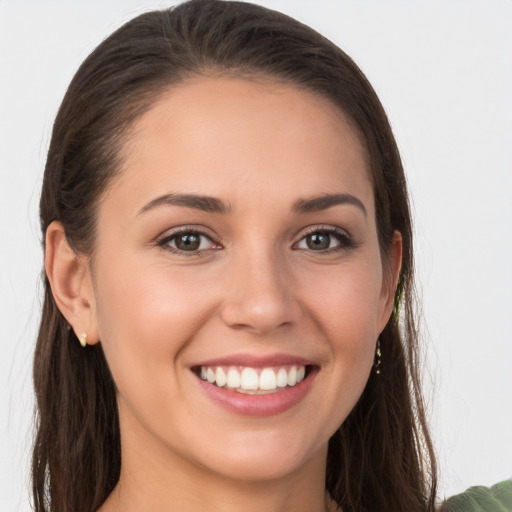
<point x="231" y="137"/>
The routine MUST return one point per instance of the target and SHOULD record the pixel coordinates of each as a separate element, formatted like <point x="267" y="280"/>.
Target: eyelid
<point x="164" y="240"/>
<point x="324" y="228"/>
<point x="345" y="239"/>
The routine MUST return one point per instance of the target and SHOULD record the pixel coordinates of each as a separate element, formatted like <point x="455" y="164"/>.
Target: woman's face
<point x="239" y="244"/>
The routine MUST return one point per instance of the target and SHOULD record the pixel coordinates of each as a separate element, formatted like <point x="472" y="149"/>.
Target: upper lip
<point x="256" y="361"/>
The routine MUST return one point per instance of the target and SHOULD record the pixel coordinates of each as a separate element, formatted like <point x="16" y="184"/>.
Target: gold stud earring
<point x="378" y="353"/>
<point x="83" y="339"/>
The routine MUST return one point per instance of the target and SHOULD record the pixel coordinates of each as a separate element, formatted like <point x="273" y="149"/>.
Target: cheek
<point x="346" y="303"/>
<point x="345" y="306"/>
<point x="145" y="317"/>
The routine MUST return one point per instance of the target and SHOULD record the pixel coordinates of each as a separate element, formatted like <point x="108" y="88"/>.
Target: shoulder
<point x="497" y="498"/>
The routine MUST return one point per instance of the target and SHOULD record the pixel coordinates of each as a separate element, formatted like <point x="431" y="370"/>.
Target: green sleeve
<point x="497" y="498"/>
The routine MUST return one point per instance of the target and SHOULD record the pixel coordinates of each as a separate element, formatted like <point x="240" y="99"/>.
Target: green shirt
<point x="497" y="498"/>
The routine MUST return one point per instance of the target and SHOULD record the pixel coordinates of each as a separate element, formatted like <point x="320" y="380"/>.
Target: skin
<point x="254" y="288"/>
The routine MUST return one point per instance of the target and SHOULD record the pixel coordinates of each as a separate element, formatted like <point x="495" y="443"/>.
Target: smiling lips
<point x="253" y="380"/>
<point x="256" y="386"/>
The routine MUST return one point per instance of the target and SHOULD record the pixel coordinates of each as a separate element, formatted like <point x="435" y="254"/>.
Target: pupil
<point x="318" y="241"/>
<point x="188" y="242"/>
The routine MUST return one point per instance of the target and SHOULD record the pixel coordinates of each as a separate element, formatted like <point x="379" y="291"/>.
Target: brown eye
<point x="188" y="242"/>
<point x="325" y="240"/>
<point x="320" y="241"/>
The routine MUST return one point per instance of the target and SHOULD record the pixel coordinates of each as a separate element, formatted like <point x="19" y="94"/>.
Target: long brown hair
<point x="381" y="457"/>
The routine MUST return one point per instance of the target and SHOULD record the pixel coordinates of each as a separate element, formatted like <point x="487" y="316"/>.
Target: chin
<point x="259" y="458"/>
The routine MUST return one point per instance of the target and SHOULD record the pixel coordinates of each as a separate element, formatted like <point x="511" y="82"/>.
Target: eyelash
<point x="166" y="240"/>
<point x="345" y="240"/>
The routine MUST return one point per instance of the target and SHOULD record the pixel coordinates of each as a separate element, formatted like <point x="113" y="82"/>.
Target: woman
<point x="228" y="320"/>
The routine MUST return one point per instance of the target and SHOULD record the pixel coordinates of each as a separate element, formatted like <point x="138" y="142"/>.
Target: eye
<point x="325" y="240"/>
<point x="187" y="241"/>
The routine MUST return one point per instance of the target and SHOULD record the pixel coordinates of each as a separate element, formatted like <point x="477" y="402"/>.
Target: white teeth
<point x="268" y="379"/>
<point x="220" y="377"/>
<point x="252" y="380"/>
<point x="292" y="376"/>
<point x="249" y="379"/>
<point x="233" y="378"/>
<point x="210" y="375"/>
<point x="282" y="378"/>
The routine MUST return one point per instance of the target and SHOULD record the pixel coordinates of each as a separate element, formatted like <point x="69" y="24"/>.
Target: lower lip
<point x="258" y="405"/>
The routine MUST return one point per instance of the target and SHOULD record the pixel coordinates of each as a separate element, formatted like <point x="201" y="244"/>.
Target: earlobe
<point x="71" y="284"/>
<point x="391" y="277"/>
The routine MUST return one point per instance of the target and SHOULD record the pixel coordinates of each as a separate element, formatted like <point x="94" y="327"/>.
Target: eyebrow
<point x="318" y="203"/>
<point x="214" y="205"/>
<point x="204" y="203"/>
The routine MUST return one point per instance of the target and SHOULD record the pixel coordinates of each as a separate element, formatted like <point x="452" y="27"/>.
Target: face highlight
<point x="238" y="285"/>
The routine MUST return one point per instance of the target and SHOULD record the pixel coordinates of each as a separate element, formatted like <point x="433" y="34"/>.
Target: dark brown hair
<point x="381" y="458"/>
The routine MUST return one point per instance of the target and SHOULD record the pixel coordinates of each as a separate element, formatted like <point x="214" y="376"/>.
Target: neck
<point x="216" y="496"/>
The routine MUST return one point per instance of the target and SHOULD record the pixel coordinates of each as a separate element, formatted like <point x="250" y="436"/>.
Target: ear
<point x="390" y="278"/>
<point x="70" y="280"/>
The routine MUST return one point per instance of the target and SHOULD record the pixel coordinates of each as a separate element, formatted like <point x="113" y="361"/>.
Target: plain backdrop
<point x="443" y="72"/>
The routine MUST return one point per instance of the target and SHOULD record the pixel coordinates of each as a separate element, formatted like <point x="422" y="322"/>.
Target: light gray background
<point x="443" y="72"/>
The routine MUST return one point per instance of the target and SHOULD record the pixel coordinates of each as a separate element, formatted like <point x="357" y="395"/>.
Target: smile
<point x="254" y="386"/>
<point x="253" y="380"/>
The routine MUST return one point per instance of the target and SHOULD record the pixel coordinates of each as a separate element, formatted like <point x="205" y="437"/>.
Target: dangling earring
<point x="83" y="339"/>
<point x="377" y="362"/>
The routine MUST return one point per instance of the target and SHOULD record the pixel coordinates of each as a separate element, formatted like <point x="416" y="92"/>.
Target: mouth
<point x="254" y="380"/>
<point x="256" y="386"/>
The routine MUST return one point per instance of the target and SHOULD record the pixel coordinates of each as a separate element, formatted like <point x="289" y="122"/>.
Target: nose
<point x="260" y="295"/>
